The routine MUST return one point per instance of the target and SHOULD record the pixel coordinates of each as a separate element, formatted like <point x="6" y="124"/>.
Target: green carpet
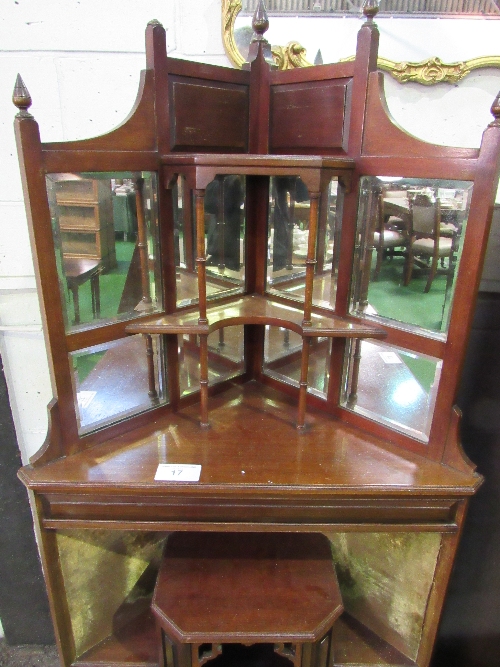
<point x="423" y="370"/>
<point x="410" y="305"/>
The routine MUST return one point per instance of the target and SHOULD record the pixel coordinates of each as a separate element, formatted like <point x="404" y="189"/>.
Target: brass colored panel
<point x="100" y="568"/>
<point x="385" y="580"/>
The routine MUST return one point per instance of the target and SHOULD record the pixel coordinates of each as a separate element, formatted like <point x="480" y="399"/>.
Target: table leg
<point x="76" y="302"/>
<point x="95" y="290"/>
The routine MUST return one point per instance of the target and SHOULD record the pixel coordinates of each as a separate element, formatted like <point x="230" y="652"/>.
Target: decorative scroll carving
<point x="290" y="56"/>
<point x="432" y="71"/>
<point x="207" y="652"/>
<point x="428" y="72"/>
<point x="288" y="651"/>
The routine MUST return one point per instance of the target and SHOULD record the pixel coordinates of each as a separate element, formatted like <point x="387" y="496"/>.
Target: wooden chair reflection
<point x="389" y="235"/>
<point x="427" y="244"/>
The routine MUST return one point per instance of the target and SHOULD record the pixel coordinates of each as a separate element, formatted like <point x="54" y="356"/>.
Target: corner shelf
<point x="255" y="309"/>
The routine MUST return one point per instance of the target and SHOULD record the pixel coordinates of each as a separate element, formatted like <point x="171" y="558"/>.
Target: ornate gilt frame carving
<point x="428" y="72"/>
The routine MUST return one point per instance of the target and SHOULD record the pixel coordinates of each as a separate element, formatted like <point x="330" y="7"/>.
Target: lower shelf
<point x="136" y="646"/>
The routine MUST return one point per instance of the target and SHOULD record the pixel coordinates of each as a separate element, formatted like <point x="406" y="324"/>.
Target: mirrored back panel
<point x="409" y="242"/>
<point x="116" y="380"/>
<point x="288" y="238"/>
<point x="105" y="228"/>
<point x="282" y="359"/>
<point x="392" y="386"/>
<point x="225" y="218"/>
<point x="225" y="358"/>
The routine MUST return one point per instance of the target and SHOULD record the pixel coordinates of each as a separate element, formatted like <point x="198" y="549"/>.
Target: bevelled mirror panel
<point x="225" y="358"/>
<point x="224" y="238"/>
<point x="409" y="241"/>
<point x="288" y="238"/>
<point x="282" y="359"/>
<point x="105" y="228"/>
<point x="117" y="380"/>
<point x="393" y="386"/>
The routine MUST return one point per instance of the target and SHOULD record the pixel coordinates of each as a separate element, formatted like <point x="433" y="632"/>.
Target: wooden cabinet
<point x="306" y="399"/>
<point x="84" y="211"/>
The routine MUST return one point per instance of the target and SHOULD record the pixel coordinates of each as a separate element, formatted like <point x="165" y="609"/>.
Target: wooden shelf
<point x="255" y="309"/>
<point x="329" y="458"/>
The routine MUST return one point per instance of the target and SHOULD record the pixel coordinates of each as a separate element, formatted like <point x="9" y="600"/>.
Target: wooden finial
<point x="495" y="110"/>
<point x="259" y="44"/>
<point x="21" y="98"/>
<point x="370" y="9"/>
<point x="260" y="21"/>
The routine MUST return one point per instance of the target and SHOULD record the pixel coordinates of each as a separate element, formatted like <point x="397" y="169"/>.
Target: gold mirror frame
<point x="293" y="55"/>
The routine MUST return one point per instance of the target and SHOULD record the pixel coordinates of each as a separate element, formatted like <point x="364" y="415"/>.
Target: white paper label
<point x="85" y="398"/>
<point x="390" y="358"/>
<point x="178" y="472"/>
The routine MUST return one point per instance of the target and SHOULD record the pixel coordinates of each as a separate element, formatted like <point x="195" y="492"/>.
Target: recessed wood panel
<point x="309" y="115"/>
<point x="208" y="115"/>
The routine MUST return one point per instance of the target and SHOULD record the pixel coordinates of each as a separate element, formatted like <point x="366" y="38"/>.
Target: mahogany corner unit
<point x="275" y="347"/>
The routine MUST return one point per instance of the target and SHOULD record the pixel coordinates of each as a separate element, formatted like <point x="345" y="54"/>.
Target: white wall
<point x="80" y="60"/>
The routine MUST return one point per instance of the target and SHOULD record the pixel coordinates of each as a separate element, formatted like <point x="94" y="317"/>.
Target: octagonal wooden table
<point x="251" y="598"/>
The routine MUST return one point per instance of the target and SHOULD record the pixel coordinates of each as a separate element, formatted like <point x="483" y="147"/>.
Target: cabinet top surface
<point x="251" y="447"/>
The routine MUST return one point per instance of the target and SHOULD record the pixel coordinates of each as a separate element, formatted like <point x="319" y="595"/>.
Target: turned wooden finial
<point x="259" y="44"/>
<point x="21" y="98"/>
<point x="495" y="110"/>
<point x="260" y="21"/>
<point x="370" y="9"/>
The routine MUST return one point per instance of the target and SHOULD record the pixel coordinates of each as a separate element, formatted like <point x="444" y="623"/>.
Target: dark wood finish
<point x="343" y="473"/>
<point x="249" y="587"/>
<point x="328" y="458"/>
<point x="208" y="118"/>
<point x="292" y="106"/>
<point x="255" y="309"/>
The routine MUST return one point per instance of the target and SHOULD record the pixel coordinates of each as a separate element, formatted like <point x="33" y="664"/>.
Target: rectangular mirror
<point x="225" y="358"/>
<point x="282" y="358"/>
<point x="224" y="238"/>
<point x="288" y="237"/>
<point x="117" y="380"/>
<point x="409" y="241"/>
<point x="391" y="385"/>
<point x="105" y="228"/>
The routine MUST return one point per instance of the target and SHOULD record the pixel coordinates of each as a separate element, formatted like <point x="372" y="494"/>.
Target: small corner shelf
<point x="200" y="170"/>
<point x="255" y="309"/>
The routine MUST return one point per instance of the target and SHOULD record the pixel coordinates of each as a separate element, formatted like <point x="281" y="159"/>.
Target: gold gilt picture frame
<point x="427" y="72"/>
